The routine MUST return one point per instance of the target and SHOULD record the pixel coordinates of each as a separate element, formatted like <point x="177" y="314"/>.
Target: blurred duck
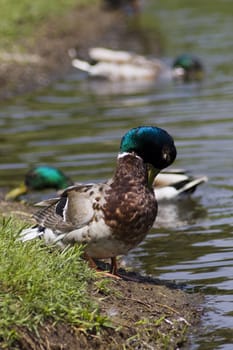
<point x="188" y="68"/>
<point x="40" y="178"/>
<point x="125" y="66"/>
<point x="168" y="185"/>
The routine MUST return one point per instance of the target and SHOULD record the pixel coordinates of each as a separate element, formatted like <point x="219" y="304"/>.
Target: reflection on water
<point x="77" y="127"/>
<point x="181" y="211"/>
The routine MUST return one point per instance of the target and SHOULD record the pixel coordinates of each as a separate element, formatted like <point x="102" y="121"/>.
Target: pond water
<point x="77" y="126"/>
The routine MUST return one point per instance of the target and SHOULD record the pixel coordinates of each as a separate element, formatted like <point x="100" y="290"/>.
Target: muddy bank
<point x="143" y="315"/>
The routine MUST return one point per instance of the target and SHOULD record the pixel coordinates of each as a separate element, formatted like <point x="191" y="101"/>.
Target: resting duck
<point x="115" y="65"/>
<point x="113" y="217"/>
<point x="188" y="68"/>
<point x="40" y="178"/>
<point x="168" y="185"/>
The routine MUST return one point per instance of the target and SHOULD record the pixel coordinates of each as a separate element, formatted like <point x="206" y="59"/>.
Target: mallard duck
<point x="187" y="67"/>
<point x="113" y="217"/>
<point x="116" y="65"/>
<point x="168" y="185"/>
<point x="40" y="178"/>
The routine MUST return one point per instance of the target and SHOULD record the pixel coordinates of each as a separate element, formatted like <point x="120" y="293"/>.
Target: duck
<point x="168" y="185"/>
<point x="117" y="65"/>
<point x="40" y="178"/>
<point x="113" y="217"/>
<point x="188" y="68"/>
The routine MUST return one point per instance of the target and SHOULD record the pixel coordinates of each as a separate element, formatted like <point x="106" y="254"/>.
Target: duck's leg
<point x="114" y="273"/>
<point x="113" y="270"/>
<point x="90" y="261"/>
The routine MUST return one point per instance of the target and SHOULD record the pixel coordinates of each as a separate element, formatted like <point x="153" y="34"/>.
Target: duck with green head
<point x="113" y="217"/>
<point x="114" y="65"/>
<point x="41" y="178"/>
<point x="187" y="67"/>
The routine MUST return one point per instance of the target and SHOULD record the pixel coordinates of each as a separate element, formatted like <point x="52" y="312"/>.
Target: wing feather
<point x="73" y="210"/>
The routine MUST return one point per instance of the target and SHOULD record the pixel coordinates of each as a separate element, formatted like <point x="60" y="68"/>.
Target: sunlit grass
<point x="38" y="283"/>
<point x="20" y="19"/>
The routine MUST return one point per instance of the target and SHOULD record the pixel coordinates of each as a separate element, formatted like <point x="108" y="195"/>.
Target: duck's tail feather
<point x="38" y="231"/>
<point x="80" y="64"/>
<point x="189" y="186"/>
<point x="108" y="55"/>
<point x="31" y="233"/>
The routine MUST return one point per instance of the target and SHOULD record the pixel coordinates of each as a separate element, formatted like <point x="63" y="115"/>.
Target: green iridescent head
<point x="188" y="67"/>
<point x="41" y="178"/>
<point x="154" y="145"/>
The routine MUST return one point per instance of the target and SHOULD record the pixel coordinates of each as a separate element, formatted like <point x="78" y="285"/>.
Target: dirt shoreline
<point x="144" y="315"/>
<point x="147" y="314"/>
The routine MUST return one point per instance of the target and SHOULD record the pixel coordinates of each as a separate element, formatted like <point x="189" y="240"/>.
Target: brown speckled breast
<point x="130" y="208"/>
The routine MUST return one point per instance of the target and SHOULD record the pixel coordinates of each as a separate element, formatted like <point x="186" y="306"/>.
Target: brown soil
<point x="147" y="314"/>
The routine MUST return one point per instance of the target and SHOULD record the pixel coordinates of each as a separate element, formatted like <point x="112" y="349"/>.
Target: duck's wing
<point x="82" y="65"/>
<point x="106" y="70"/>
<point x="102" y="54"/>
<point x="73" y="210"/>
<point x="170" y="177"/>
<point x="113" y="71"/>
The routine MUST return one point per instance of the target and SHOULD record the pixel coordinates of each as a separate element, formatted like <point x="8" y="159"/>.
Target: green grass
<point x="38" y="283"/>
<point x="20" y="19"/>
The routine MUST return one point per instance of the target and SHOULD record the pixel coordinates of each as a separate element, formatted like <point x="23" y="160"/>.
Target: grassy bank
<point x="21" y="19"/>
<point x="51" y="299"/>
<point x="39" y="284"/>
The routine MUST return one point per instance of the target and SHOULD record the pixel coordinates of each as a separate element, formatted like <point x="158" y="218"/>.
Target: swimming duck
<point x="41" y="178"/>
<point x="187" y="67"/>
<point x="116" y="65"/>
<point x="112" y="217"/>
<point x="168" y="185"/>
